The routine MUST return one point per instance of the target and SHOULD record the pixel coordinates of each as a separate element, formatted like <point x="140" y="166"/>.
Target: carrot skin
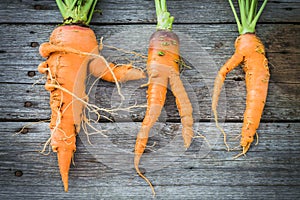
<point x="155" y="102"/>
<point x="64" y="158"/>
<point x="163" y="68"/>
<point x="70" y="51"/>
<point x="257" y="79"/>
<point x="232" y="63"/>
<point x="66" y="70"/>
<point x="250" y="53"/>
<point x="122" y="73"/>
<point x="185" y="108"/>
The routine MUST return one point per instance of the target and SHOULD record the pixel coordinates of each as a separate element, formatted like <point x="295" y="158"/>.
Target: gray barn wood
<point x="272" y="165"/>
<point x="104" y="169"/>
<point x="130" y="11"/>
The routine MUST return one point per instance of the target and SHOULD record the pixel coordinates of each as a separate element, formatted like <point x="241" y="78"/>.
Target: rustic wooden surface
<point x="271" y="168"/>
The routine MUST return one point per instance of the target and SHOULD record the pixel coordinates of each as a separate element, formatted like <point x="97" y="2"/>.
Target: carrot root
<point x="184" y="107"/>
<point x="232" y="63"/>
<point x="163" y="68"/>
<point x="64" y="158"/>
<point x="140" y="147"/>
<point x="250" y="53"/>
<point x="66" y="68"/>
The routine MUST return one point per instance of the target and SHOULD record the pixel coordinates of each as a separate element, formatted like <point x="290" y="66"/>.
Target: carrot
<point x="163" y="68"/>
<point x="71" y="51"/>
<point x="250" y="53"/>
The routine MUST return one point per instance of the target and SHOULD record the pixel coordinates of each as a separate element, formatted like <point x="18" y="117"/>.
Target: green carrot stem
<point x="248" y="15"/>
<point x="76" y="11"/>
<point x="164" y="19"/>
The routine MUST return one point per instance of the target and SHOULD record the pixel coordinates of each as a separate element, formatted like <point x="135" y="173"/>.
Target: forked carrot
<point x="73" y="49"/>
<point x="250" y="53"/>
<point x="163" y="68"/>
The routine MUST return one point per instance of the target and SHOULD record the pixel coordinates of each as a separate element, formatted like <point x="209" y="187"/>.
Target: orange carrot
<point x="250" y="52"/>
<point x="73" y="49"/>
<point x="163" y="68"/>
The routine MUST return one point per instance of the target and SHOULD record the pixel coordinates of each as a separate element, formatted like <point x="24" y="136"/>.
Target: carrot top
<point x="248" y="13"/>
<point x="76" y="11"/>
<point x="164" y="19"/>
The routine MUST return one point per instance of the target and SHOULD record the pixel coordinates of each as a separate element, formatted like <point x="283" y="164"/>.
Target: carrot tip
<point x="187" y="142"/>
<point x="137" y="158"/>
<point x="64" y="161"/>
<point x="65" y="182"/>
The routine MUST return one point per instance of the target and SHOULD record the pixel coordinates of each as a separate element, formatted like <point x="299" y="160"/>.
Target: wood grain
<point x="130" y="11"/>
<point x="32" y="102"/>
<point x="104" y="170"/>
<point x="19" y="52"/>
<point x="204" y="53"/>
<point x="269" y="167"/>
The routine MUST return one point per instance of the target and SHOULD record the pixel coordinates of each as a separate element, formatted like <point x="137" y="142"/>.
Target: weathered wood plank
<point x="124" y="11"/>
<point x="269" y="171"/>
<point x="32" y="102"/>
<point x="202" y="45"/>
<point x="104" y="170"/>
<point x="203" y="48"/>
